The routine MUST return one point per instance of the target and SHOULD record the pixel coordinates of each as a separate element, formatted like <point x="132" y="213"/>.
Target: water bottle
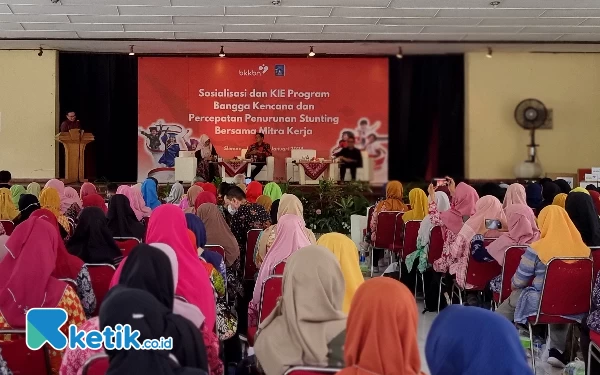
<point x="362" y="259"/>
<point x="538" y="350"/>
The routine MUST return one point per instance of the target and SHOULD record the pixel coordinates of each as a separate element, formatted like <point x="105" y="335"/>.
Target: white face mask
<point x="231" y="210"/>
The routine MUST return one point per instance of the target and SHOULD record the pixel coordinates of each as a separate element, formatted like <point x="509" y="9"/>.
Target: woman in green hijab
<point x="16" y="191"/>
<point x="273" y="191"/>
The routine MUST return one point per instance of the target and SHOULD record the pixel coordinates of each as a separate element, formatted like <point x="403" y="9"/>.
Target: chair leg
<point x="532" y="347"/>
<point x="371" y="253"/>
<point x="440" y="294"/>
<point x="416" y="284"/>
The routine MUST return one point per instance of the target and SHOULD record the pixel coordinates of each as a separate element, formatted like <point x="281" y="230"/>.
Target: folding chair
<point x="95" y="365"/>
<point x="126" y="244"/>
<point x="71" y="282"/>
<point x="478" y="274"/>
<point x="594" y="353"/>
<point x="436" y="247"/>
<point x="596" y="259"/>
<point x="308" y="370"/>
<point x="567" y="290"/>
<point x="271" y="291"/>
<point x="386" y="233"/>
<point x="250" y="268"/>
<point x="8" y="226"/>
<point x="411" y="232"/>
<point x="20" y="359"/>
<point x="216" y="248"/>
<point x="101" y="275"/>
<point x="279" y="268"/>
<point x="512" y="258"/>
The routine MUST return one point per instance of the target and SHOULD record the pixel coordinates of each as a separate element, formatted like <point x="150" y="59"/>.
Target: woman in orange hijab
<point x="377" y="322"/>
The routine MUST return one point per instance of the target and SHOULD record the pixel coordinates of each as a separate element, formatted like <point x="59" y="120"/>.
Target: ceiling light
<point x="221" y="52"/>
<point x="489" y="53"/>
<point x="41" y="51"/>
<point x="495" y="3"/>
<point x="311" y="53"/>
<point x="399" y="54"/>
<point x="131" y="53"/>
<point x="276" y="2"/>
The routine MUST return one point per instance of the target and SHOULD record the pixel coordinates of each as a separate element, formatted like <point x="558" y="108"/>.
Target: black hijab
<point x="144" y="313"/>
<point x="563" y="185"/>
<point x="592" y="187"/>
<point x="27" y="204"/>
<point x="549" y="191"/>
<point x="122" y="221"/>
<point x="492" y="189"/>
<point x="92" y="241"/>
<point x="581" y="210"/>
<point x="274" y="210"/>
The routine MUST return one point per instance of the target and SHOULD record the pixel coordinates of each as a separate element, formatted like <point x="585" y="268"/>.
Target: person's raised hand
<point x="451" y="185"/>
<point x="431" y="191"/>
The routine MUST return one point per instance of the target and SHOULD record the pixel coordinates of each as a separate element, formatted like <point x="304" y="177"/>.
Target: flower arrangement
<point x="328" y="208"/>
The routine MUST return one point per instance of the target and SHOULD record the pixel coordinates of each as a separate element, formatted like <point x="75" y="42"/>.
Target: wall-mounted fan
<point x="530" y="114"/>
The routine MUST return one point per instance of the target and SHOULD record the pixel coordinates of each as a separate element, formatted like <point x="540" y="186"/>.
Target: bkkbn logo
<point x="254" y="73"/>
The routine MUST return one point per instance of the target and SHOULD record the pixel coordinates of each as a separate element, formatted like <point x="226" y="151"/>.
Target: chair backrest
<point x="436" y="244"/>
<point x="567" y="288"/>
<point x="216" y="248"/>
<point x="126" y="244"/>
<point x="95" y="365"/>
<point x="411" y="232"/>
<point x="596" y="259"/>
<point x="271" y="291"/>
<point x="8" y="226"/>
<point x="512" y="258"/>
<point x="386" y="229"/>
<point x="303" y="153"/>
<point x="101" y="275"/>
<point x="479" y="274"/>
<point x="19" y="358"/>
<point x="250" y="268"/>
<point x="279" y="268"/>
<point x="309" y="370"/>
<point x="71" y="282"/>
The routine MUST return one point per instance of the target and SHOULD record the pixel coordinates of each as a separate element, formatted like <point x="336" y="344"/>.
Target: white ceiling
<point x="175" y="26"/>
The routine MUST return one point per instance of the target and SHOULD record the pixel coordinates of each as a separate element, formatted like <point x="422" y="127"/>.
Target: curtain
<point x="102" y="90"/>
<point x="426" y="117"/>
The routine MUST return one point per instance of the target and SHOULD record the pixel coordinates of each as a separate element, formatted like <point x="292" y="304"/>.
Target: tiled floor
<point x="425" y="322"/>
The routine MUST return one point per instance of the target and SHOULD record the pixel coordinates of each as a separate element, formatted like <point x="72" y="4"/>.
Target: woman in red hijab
<point x="26" y="281"/>
<point x="95" y="200"/>
<point x="205" y="197"/>
<point x="210" y="188"/>
<point x="69" y="266"/>
<point x="167" y="225"/>
<point x="253" y="191"/>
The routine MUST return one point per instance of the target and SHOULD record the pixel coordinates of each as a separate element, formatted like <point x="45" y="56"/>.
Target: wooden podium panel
<point x="74" y="142"/>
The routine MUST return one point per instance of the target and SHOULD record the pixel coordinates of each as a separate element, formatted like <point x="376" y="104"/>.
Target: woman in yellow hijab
<point x="265" y="201"/>
<point x="347" y="254"/>
<point x="558" y="238"/>
<point x="560" y="200"/>
<point x="50" y="200"/>
<point x="580" y="190"/>
<point x="8" y="211"/>
<point x="418" y="204"/>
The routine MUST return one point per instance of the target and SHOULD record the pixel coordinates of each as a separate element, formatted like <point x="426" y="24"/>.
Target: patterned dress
<point x="4" y="370"/>
<point x="73" y="360"/>
<point x="593" y="320"/>
<point x="71" y="304"/>
<point x="85" y="291"/>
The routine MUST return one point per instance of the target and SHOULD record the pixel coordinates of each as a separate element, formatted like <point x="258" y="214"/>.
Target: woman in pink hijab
<point x="167" y="225"/>
<point x="136" y="200"/>
<point x="87" y="188"/>
<point x="515" y="194"/>
<point x="291" y="236"/>
<point x="73" y="202"/>
<point x="60" y="187"/>
<point x="455" y="256"/>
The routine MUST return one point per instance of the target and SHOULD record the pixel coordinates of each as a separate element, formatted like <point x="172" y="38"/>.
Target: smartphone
<point x="247" y="181"/>
<point x="439" y="181"/>
<point x="493" y="224"/>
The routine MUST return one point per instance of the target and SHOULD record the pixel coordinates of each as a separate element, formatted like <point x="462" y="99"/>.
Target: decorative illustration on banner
<point x="296" y="103"/>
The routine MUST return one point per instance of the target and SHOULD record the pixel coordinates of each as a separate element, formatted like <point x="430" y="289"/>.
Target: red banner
<point x="298" y="103"/>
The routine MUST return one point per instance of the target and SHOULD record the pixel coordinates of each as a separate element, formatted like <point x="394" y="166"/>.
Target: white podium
<point x="185" y="168"/>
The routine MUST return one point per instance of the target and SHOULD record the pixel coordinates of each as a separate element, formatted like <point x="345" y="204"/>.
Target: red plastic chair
<point x="216" y="248"/>
<point x="8" y="226"/>
<point x="250" y="269"/>
<point x="269" y="294"/>
<point x="20" y="359"/>
<point x="479" y="274"/>
<point x="436" y="247"/>
<point x="95" y="365"/>
<point x="411" y="232"/>
<point x="596" y="258"/>
<point x="126" y="244"/>
<point x="307" y="370"/>
<point x="389" y="224"/>
<point x="101" y="274"/>
<point x="72" y="283"/>
<point x="279" y="268"/>
<point x="566" y="291"/>
<point x="512" y="258"/>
